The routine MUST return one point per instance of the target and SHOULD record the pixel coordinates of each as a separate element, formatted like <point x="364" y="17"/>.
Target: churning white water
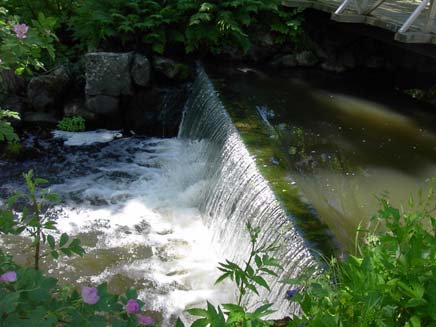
<point x="134" y="203"/>
<point x="159" y="214"/>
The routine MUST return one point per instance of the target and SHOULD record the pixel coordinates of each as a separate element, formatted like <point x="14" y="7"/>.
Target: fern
<point x="210" y="25"/>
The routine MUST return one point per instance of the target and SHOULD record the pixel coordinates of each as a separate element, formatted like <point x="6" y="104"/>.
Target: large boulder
<point x="12" y="83"/>
<point x="156" y="112"/>
<point x="40" y="118"/>
<point x="44" y="92"/>
<point x="306" y="58"/>
<point x="300" y="59"/>
<point x="104" y="105"/>
<point x="77" y="107"/>
<point x="108" y="74"/>
<point x="143" y="111"/>
<point x="141" y="70"/>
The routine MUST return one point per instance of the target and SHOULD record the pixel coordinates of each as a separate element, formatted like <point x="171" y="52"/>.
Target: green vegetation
<point x="159" y="26"/>
<point x="30" y="299"/>
<point x="191" y="24"/>
<point x="7" y="133"/>
<point x="390" y="280"/>
<point x="259" y="264"/>
<point x="73" y="124"/>
<point x="26" y="46"/>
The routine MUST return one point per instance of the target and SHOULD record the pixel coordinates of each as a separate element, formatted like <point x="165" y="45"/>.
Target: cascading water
<point x="238" y="193"/>
<point x="159" y="214"/>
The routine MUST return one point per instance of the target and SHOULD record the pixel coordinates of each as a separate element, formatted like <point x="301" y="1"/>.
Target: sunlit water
<point x="134" y="204"/>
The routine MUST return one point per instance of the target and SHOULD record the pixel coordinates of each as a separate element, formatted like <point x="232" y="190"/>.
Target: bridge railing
<point x="425" y="7"/>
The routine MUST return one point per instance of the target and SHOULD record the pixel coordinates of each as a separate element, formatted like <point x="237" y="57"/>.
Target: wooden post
<point x="431" y="17"/>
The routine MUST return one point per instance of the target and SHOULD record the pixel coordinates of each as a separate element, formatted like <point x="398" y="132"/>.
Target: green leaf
<point x="54" y="254"/>
<point x="222" y="277"/>
<point x="198" y="312"/>
<point x="179" y="323"/>
<point x="64" y="239"/>
<point x="262" y="282"/>
<point x="233" y="307"/>
<point x="51" y="241"/>
<point x="9" y="302"/>
<point x="131" y="293"/>
<point x="200" y="323"/>
<point x="258" y="261"/>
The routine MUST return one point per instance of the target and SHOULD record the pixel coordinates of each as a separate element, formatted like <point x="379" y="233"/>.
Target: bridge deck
<point x="391" y="15"/>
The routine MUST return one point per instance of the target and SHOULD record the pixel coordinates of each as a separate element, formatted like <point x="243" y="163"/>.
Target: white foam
<point x="86" y="138"/>
<point x="152" y="202"/>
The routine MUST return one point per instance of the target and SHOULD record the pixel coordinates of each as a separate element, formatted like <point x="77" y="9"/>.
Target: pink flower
<point x="21" y="30"/>
<point x="8" y="277"/>
<point x="132" y="306"/>
<point x="90" y="295"/>
<point x="144" y="320"/>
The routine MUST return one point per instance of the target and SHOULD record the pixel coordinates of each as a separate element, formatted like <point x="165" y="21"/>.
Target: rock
<point x="140" y="70"/>
<point x="306" y="59"/>
<point x="12" y="83"/>
<point x="17" y="104"/>
<point x="77" y="107"/>
<point x="42" y="118"/>
<point x="375" y="62"/>
<point x="108" y="73"/>
<point x="333" y="66"/>
<point x="263" y="46"/>
<point x="142" y="113"/>
<point x="156" y="112"/>
<point x="348" y="59"/>
<point x="171" y="69"/>
<point x="103" y="104"/>
<point x="44" y="92"/>
<point x="288" y="60"/>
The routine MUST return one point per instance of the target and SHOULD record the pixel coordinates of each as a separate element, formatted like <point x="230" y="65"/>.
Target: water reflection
<point x="344" y="139"/>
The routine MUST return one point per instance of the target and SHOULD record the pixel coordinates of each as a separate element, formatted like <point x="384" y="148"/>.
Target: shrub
<point x="25" y="46"/>
<point x="389" y="281"/>
<point x="194" y="24"/>
<point x="7" y="133"/>
<point x="73" y="124"/>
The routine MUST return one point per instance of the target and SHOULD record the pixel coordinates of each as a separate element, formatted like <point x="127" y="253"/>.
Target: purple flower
<point x="290" y="293"/>
<point x="144" y="320"/>
<point x="21" y="30"/>
<point x="132" y="306"/>
<point x="90" y="295"/>
<point x="8" y="277"/>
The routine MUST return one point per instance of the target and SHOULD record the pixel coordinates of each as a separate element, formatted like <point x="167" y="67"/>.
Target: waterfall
<point x="238" y="193"/>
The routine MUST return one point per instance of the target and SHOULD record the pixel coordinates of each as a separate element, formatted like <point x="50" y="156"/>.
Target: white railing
<point x="362" y="8"/>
